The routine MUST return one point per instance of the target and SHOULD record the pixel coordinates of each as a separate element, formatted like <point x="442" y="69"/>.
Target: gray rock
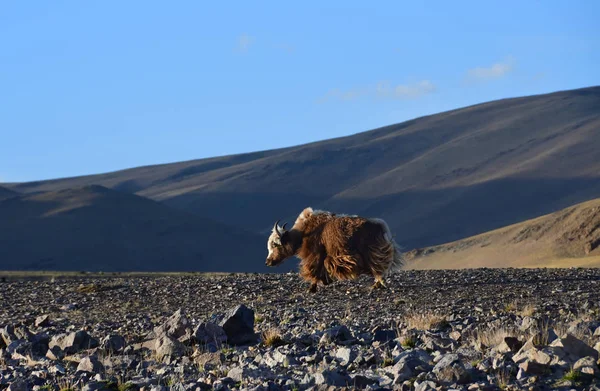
<point x="450" y="369"/>
<point x="237" y="374"/>
<point x="332" y="378"/>
<point x="427" y="385"/>
<point x="587" y="365"/>
<point x="73" y="342"/>
<point x="362" y="381"/>
<point x="18" y="385"/>
<point x="177" y="326"/>
<point x="382" y="335"/>
<point x="55" y="353"/>
<point x="238" y="324"/>
<point x="532" y="367"/>
<point x="409" y="364"/>
<point x="42" y="321"/>
<point x="166" y="347"/>
<point x="90" y="364"/>
<point x="112" y="343"/>
<point x="575" y="347"/>
<point x="210" y="333"/>
<point x="209" y="361"/>
<point x="509" y="344"/>
<point x="12" y="333"/>
<point x="345" y="355"/>
<point x="336" y="334"/>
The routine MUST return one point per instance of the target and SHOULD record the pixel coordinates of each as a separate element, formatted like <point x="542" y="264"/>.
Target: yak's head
<point x="279" y="245"/>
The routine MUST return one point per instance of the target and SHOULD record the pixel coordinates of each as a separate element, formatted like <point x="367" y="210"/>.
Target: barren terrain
<point x="479" y="329"/>
<point x="567" y="238"/>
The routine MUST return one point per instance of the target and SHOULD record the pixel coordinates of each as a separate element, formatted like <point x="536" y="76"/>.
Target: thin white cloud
<point x="405" y="91"/>
<point x="495" y="71"/>
<point x="244" y="42"/>
<point x="381" y="90"/>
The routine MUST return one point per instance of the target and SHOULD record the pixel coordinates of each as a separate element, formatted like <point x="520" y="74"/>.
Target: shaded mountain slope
<point x="6" y="193"/>
<point x="567" y="238"/>
<point x="98" y="229"/>
<point x="434" y="179"/>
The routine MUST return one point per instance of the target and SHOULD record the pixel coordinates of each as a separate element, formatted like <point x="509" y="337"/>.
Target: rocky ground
<point x="485" y="329"/>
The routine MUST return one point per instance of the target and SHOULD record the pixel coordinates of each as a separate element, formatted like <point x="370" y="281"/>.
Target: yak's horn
<point x="276" y="228"/>
<point x="284" y="224"/>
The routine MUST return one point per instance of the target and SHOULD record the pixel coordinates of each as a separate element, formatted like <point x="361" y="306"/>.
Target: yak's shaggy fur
<point x="335" y="247"/>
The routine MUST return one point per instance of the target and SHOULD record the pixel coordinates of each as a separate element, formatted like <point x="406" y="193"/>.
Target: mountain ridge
<point x="434" y="179"/>
<point x="94" y="228"/>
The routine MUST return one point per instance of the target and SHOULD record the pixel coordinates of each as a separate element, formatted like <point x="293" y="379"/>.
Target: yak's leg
<point x="379" y="284"/>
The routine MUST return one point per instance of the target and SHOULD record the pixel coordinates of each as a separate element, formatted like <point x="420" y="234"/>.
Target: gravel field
<point x="531" y="329"/>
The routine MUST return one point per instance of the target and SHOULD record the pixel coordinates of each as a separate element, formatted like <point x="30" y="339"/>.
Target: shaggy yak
<point x="335" y="247"/>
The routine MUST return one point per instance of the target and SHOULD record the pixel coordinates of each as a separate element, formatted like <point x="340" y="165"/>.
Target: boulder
<point x="238" y="324"/>
<point x="450" y="369"/>
<point x="73" y="342"/>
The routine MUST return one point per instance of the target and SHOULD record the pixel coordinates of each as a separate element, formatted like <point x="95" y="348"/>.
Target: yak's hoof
<point x="312" y="289"/>
<point x="378" y="285"/>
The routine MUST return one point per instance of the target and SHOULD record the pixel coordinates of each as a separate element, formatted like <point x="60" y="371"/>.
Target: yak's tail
<point x="392" y="252"/>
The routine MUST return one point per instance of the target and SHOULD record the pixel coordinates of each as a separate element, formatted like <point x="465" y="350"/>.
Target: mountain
<point x="98" y="229"/>
<point x="435" y="179"/>
<point x="567" y="238"/>
<point x="6" y="193"/>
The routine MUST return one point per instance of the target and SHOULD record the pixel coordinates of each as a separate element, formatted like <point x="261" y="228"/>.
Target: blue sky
<point x="91" y="87"/>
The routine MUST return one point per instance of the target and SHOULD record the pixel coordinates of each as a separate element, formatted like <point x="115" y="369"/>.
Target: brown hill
<point x="567" y="238"/>
<point x="97" y="229"/>
<point x="435" y="179"/>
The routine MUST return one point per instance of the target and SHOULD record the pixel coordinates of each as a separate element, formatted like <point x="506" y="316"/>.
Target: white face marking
<point x="272" y="242"/>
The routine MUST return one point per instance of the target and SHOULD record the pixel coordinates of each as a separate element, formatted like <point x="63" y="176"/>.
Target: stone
<point x="90" y="364"/>
<point x="587" y="365"/>
<point x="177" y="326"/>
<point x="238" y="324"/>
<point x="209" y="361"/>
<point x="509" y="344"/>
<point x="12" y="333"/>
<point x="575" y="347"/>
<point x="55" y="353"/>
<point x="345" y="355"/>
<point x="210" y="333"/>
<point x="385" y="336"/>
<point x="336" y="334"/>
<point x="112" y="343"/>
<point x="534" y="368"/>
<point x="236" y="374"/>
<point x="408" y="365"/>
<point x="450" y="369"/>
<point x="427" y="385"/>
<point x="362" y="381"/>
<point x="17" y="385"/>
<point x="166" y="347"/>
<point x="73" y="342"/>
<point x="42" y="321"/>
<point x="332" y="378"/>
<point x="530" y="353"/>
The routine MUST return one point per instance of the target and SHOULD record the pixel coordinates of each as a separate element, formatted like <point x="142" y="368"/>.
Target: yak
<point x="333" y="247"/>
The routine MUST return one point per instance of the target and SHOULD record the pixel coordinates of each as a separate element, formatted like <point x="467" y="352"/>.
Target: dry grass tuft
<point x="492" y="336"/>
<point x="425" y="320"/>
<point x="527" y="310"/>
<point x="272" y="337"/>
<point x="520" y="309"/>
